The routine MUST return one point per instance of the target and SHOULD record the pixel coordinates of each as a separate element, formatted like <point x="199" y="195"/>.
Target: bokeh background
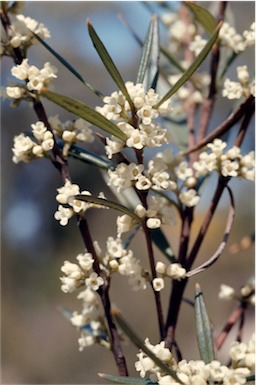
<point x="38" y="345"/>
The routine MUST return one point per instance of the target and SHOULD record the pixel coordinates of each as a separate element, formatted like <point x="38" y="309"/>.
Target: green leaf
<point x="67" y="65"/>
<point x="140" y="344"/>
<point x="150" y="55"/>
<point x="203" y="328"/>
<point x="127" y="380"/>
<point x="83" y="111"/>
<point x="194" y="66"/>
<point x="161" y="242"/>
<point x="203" y="16"/>
<point x="108" y="63"/>
<point x="88" y="157"/>
<point x="107" y="203"/>
<point x="172" y="59"/>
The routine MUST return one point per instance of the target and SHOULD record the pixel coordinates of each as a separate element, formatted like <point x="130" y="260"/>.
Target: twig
<point x="208" y="105"/>
<point x="221" y="247"/>
<point x="234" y="317"/>
<point x="233" y="118"/>
<point x="153" y="272"/>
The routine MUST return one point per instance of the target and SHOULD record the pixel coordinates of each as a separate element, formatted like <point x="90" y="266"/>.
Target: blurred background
<point x="38" y="345"/>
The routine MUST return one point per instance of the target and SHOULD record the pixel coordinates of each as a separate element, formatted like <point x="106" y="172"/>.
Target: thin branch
<point x="221" y="247"/>
<point x="208" y="105"/>
<point x="233" y="118"/>
<point x="236" y="314"/>
<point x="153" y="272"/>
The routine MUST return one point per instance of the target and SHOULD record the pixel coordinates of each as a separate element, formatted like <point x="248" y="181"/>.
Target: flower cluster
<point x="229" y="164"/>
<point x="231" y="39"/>
<point x="197" y="372"/>
<point x="235" y="90"/>
<point x="71" y="132"/>
<point x="65" y="197"/>
<point x="90" y="321"/>
<point x="247" y="293"/>
<point x="34" y="77"/>
<point x="26" y="148"/>
<point x="20" y="34"/>
<point x="173" y="271"/>
<point x="142" y="133"/>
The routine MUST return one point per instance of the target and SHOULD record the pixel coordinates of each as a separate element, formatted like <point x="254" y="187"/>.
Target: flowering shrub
<point x="157" y="182"/>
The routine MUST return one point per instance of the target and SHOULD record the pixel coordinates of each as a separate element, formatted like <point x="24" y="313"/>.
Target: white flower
<point x="85" y="261"/>
<point x="72" y="270"/>
<point x="124" y="223"/>
<point x="243" y="74"/>
<point x="63" y="214"/>
<point x="229" y="168"/>
<point x="15" y="92"/>
<point x="197" y="44"/>
<point x="94" y="281"/>
<point x="250" y="35"/>
<point x="22" y="149"/>
<point x="158" y="284"/>
<point x="226" y="292"/>
<point x="189" y="197"/>
<point x="69" y="285"/>
<point x="67" y="191"/>
<point x="232" y="90"/>
<point x="147" y="113"/>
<point x="20" y="71"/>
<point x="176" y="271"/>
<point x="160" y="268"/>
<point x="39" y="129"/>
<point x="183" y="171"/>
<point x="153" y="223"/>
<point x="237" y="350"/>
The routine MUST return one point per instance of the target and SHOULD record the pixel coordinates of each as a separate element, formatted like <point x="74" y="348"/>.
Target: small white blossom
<point x="197" y="44"/>
<point x="85" y="261"/>
<point x="15" y="92"/>
<point x="94" y="281"/>
<point x="232" y="90"/>
<point x="226" y="292"/>
<point x="67" y="191"/>
<point x="63" y="214"/>
<point x="158" y="284"/>
<point x="153" y="223"/>
<point x="189" y="198"/>
<point x="176" y="271"/>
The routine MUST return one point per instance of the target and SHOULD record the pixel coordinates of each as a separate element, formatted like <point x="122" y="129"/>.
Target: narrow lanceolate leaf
<point x="203" y="328"/>
<point x="88" y="157"/>
<point x="145" y="57"/>
<point x="68" y="65"/>
<point x="148" y="69"/>
<point x="161" y="242"/>
<point x="108" y="63"/>
<point x="194" y="66"/>
<point x="107" y="203"/>
<point x="203" y="16"/>
<point x="127" y="380"/>
<point x="140" y="344"/>
<point x="83" y="111"/>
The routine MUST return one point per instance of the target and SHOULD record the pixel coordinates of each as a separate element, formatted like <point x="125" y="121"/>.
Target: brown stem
<point x="178" y="287"/>
<point x="222" y="182"/>
<point x="208" y="105"/>
<point x="233" y="118"/>
<point x="153" y="272"/>
<point x="245" y="123"/>
<point x="104" y="294"/>
<point x="236" y="314"/>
